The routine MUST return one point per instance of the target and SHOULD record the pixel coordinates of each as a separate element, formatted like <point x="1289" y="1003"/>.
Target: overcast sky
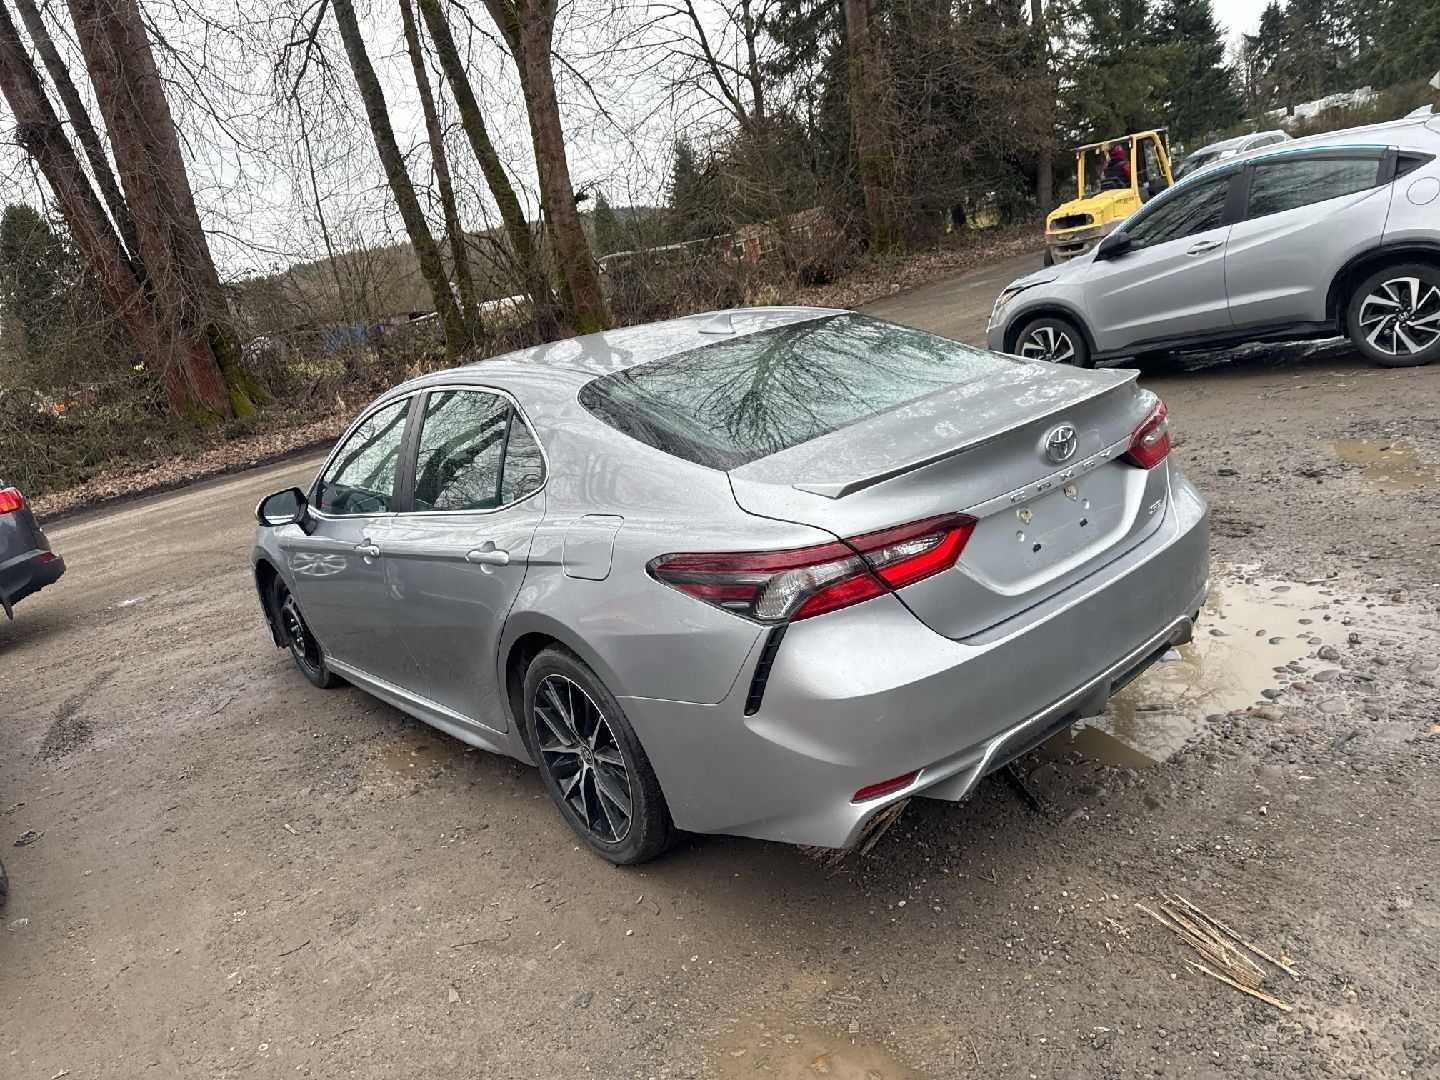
<point x="1238" y="17"/>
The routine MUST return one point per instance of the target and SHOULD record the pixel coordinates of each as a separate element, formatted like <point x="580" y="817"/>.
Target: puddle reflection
<point x="1248" y="629"/>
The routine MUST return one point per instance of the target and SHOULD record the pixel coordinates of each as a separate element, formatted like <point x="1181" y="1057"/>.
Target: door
<point x="1305" y="215"/>
<point x="457" y="557"/>
<point x="338" y="568"/>
<point x="1171" y="282"/>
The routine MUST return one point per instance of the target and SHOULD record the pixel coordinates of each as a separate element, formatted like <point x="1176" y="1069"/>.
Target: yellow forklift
<point x="1113" y="179"/>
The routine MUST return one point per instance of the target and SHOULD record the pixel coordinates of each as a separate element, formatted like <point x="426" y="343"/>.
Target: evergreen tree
<point x="1201" y="95"/>
<point x="1406" y="42"/>
<point x="695" y="212"/>
<point x="608" y="234"/>
<point x="35" y="267"/>
<point x="1310" y="54"/>
<point x="1115" y="77"/>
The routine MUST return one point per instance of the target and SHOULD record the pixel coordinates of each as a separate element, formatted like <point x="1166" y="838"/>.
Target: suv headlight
<point x="1006" y="295"/>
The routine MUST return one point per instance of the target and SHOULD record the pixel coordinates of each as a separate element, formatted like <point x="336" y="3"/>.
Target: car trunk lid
<point x="1043" y="520"/>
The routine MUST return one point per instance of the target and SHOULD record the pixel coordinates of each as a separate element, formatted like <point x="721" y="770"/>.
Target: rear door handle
<point x="1204" y="246"/>
<point x="369" y="549"/>
<point x="489" y="555"/>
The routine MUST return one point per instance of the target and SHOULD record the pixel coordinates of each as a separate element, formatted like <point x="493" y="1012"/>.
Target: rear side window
<point x="1195" y="208"/>
<point x="474" y="453"/>
<point x="361" y="475"/>
<point x="1278" y="186"/>
<point x="738" y="400"/>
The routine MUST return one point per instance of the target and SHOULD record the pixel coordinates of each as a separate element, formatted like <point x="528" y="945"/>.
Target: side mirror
<point x="1114" y="245"/>
<point x="282" y="508"/>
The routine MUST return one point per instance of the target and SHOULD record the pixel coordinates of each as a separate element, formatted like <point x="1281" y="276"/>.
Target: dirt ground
<point x="238" y="875"/>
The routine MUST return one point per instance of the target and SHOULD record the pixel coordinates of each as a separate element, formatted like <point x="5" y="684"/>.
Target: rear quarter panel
<point x="1415" y="205"/>
<point x="643" y="639"/>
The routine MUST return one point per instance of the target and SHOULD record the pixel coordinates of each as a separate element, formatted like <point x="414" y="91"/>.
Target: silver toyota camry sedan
<point x="770" y="571"/>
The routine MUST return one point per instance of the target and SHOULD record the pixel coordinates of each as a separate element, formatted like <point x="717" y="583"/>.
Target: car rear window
<point x="740" y="399"/>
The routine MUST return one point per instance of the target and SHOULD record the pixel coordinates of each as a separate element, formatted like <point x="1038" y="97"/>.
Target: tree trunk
<point x="517" y="229"/>
<point x="40" y="133"/>
<point x="80" y="118"/>
<point x="427" y="254"/>
<point x="455" y="232"/>
<point x="179" y="271"/>
<point x="528" y="27"/>
<point x="752" y="63"/>
<point x="1044" y="167"/>
<point x="865" y="125"/>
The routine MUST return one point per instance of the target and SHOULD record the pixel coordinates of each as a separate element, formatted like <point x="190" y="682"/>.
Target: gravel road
<point x="237" y="875"/>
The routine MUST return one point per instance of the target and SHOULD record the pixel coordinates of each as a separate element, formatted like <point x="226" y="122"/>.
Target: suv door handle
<point x="488" y="556"/>
<point x="369" y="549"/>
<point x="1204" y="246"/>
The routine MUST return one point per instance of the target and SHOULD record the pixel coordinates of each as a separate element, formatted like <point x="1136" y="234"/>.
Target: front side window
<point x="1286" y="185"/>
<point x="1196" y="208"/>
<point x="475" y="453"/>
<point x="361" y="475"/>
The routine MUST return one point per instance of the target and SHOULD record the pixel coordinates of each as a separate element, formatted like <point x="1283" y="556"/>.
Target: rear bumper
<point x="871" y="693"/>
<point x="28" y="573"/>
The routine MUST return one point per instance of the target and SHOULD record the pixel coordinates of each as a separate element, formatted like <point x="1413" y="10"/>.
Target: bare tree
<point x="472" y="119"/>
<point x="702" y="42"/>
<point x="528" y="27"/>
<point x="427" y="253"/>
<point x="455" y="232"/>
<point x="80" y="120"/>
<point x="41" y="135"/>
<point x="1044" y="167"/>
<point x="180" y="273"/>
<point x="867" y="127"/>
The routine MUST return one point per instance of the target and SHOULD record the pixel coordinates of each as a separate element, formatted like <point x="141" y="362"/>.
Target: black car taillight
<point x="11" y="500"/>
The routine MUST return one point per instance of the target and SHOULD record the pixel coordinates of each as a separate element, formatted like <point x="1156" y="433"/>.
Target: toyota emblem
<point x="1060" y="443"/>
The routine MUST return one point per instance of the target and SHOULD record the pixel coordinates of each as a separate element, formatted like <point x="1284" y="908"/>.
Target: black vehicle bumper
<point x="26" y="574"/>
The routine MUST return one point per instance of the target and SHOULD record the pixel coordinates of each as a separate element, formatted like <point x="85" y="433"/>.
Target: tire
<point x="1049" y="257"/>
<point x="1053" y="339"/>
<point x="304" y="648"/>
<point x="591" y="761"/>
<point x="1393" y="316"/>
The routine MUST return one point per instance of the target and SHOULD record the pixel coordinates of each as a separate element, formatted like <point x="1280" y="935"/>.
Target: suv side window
<point x="1278" y="186"/>
<point x="361" y="476"/>
<point x="1194" y="209"/>
<point x="474" y="453"/>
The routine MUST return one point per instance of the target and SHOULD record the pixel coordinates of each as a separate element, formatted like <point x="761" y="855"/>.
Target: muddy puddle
<point x="1389" y="466"/>
<point x="798" y="1053"/>
<point x="1249" y="628"/>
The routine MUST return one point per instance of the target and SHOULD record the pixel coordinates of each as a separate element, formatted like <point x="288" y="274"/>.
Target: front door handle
<point x="1204" y="246"/>
<point x="489" y="555"/>
<point x="369" y="549"/>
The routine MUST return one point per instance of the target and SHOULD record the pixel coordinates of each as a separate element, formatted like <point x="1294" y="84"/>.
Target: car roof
<point x="560" y="368"/>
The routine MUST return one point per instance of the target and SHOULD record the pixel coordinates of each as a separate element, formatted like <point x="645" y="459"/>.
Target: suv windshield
<point x="730" y="403"/>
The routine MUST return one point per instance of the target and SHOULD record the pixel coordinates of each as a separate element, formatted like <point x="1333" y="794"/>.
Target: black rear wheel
<point x="592" y="763"/>
<point x="305" y="648"/>
<point x="1394" y="316"/>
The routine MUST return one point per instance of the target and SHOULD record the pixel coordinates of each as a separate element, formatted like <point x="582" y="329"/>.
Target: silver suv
<point x="1337" y="233"/>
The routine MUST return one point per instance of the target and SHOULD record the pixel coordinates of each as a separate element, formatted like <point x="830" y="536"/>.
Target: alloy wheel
<point x="303" y="645"/>
<point x="1048" y="343"/>
<point x="580" y="752"/>
<point x="1402" y="316"/>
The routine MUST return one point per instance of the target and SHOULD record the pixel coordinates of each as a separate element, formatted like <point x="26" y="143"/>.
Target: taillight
<point x="784" y="586"/>
<point x="10" y="500"/>
<point x="1150" y="444"/>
